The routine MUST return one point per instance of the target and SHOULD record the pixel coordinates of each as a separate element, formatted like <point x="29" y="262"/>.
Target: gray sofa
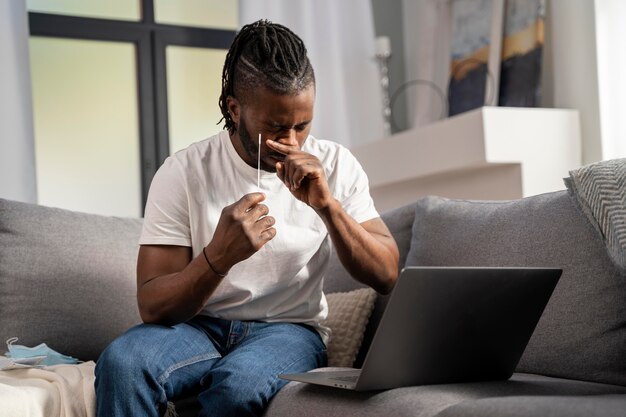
<point x="68" y="279"/>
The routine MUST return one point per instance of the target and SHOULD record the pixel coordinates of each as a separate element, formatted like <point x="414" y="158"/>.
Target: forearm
<point x="177" y="297"/>
<point x="369" y="257"/>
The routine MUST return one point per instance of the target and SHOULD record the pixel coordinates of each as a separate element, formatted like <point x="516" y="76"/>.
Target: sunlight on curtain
<point x="611" y="69"/>
<point x="17" y="158"/>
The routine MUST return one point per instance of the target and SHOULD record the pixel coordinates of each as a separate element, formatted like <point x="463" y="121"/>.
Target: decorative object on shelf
<point x="383" y="53"/>
<point x="520" y="71"/>
<point x="476" y="38"/>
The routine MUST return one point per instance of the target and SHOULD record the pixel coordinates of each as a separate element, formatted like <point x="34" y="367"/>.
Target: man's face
<point x="282" y="118"/>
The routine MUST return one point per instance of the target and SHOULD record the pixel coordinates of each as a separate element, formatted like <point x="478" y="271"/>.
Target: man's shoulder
<point x="201" y="145"/>
<point x="325" y="150"/>
<point x="315" y="143"/>
<point x="196" y="151"/>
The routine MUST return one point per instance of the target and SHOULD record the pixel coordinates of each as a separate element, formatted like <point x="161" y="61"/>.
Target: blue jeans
<point x="231" y="366"/>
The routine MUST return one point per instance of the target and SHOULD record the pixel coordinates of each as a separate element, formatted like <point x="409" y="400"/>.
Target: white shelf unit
<point x="491" y="153"/>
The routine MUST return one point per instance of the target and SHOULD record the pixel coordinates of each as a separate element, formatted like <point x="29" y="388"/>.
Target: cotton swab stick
<point x="258" y="170"/>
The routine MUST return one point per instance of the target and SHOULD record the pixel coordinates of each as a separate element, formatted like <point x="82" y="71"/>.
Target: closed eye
<point x="302" y="126"/>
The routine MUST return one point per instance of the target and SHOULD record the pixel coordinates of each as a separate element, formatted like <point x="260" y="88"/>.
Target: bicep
<point x="157" y="260"/>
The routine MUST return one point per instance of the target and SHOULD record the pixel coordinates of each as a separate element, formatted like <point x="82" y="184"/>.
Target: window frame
<point x="151" y="40"/>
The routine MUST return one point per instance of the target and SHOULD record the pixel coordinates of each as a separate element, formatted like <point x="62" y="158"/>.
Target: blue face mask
<point x="52" y="357"/>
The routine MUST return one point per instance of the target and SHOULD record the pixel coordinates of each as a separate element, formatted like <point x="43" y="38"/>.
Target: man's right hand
<point x="172" y="287"/>
<point x="243" y="228"/>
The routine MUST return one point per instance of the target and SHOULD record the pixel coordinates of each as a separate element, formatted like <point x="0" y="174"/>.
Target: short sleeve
<point x="352" y="187"/>
<point x="166" y="218"/>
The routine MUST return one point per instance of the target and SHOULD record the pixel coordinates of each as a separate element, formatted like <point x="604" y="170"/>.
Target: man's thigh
<point x="174" y="357"/>
<point x="248" y="374"/>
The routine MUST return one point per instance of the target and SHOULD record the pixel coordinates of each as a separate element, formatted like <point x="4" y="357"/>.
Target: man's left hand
<point x="303" y="174"/>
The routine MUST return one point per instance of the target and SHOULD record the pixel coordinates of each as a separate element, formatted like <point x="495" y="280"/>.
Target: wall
<point x="17" y="155"/>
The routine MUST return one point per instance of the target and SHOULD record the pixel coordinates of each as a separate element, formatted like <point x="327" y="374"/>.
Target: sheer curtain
<point x="611" y="32"/>
<point x="339" y="36"/>
<point x="17" y="147"/>
<point x="427" y="51"/>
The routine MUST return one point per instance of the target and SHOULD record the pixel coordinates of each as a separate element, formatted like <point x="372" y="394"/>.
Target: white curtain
<point x="427" y="52"/>
<point x="17" y="154"/>
<point x="339" y="36"/>
<point x="610" y="32"/>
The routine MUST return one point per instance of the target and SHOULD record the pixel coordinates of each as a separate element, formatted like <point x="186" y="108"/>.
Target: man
<point x="229" y="276"/>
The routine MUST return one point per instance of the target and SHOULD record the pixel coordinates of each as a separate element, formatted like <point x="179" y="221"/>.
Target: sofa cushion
<point x="610" y="405"/>
<point x="582" y="333"/>
<point x="348" y="314"/>
<point x="66" y="278"/>
<point x="300" y="399"/>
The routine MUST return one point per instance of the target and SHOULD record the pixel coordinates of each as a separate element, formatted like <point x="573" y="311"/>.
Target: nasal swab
<point x="258" y="170"/>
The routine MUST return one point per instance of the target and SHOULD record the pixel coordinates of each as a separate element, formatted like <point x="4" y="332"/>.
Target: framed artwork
<point x="475" y="48"/>
<point x="522" y="47"/>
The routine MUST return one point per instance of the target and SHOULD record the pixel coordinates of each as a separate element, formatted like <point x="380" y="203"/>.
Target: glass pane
<point x="194" y="83"/>
<point x="104" y="9"/>
<point x="218" y="14"/>
<point x="86" y="125"/>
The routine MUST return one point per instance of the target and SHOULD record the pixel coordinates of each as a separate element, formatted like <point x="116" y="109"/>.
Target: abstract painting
<point x="472" y="37"/>
<point x="522" y="46"/>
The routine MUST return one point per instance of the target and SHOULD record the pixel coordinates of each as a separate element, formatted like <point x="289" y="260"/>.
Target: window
<point x="116" y="92"/>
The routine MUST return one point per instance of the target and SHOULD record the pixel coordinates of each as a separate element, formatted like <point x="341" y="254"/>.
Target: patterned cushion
<point x="348" y="313"/>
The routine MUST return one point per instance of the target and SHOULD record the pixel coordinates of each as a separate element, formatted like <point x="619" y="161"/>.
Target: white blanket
<point x="52" y="391"/>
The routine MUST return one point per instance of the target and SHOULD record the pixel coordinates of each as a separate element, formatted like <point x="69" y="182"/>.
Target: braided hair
<point x="264" y="54"/>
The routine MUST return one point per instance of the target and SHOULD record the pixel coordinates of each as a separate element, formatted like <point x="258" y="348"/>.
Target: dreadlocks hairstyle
<point x="264" y="54"/>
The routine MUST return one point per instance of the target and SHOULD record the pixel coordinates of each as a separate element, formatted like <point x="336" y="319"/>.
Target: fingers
<point x="249" y="201"/>
<point x="258" y="220"/>
<point x="258" y="211"/>
<point x="267" y="235"/>
<point x="280" y="148"/>
<point x="280" y="171"/>
<point x="243" y="228"/>
<point x="262" y="231"/>
<point x="263" y="225"/>
<point x="295" y="169"/>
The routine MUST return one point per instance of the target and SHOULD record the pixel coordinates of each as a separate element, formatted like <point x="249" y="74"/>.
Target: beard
<point x="251" y="147"/>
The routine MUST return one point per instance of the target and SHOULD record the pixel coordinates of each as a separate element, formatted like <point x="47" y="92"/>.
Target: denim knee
<point x="122" y="358"/>
<point x="234" y="397"/>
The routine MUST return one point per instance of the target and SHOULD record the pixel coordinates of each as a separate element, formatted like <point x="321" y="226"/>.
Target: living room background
<point x="579" y="72"/>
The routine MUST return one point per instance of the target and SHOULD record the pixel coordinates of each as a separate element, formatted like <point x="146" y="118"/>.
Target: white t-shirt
<point x="282" y="282"/>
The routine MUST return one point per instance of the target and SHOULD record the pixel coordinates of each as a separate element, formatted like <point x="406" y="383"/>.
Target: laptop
<point x="448" y="325"/>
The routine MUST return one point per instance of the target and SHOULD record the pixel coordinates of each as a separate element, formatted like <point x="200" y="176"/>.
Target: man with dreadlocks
<point x="229" y="276"/>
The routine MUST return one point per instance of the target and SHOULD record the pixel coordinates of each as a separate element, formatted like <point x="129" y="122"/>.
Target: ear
<point x="234" y="108"/>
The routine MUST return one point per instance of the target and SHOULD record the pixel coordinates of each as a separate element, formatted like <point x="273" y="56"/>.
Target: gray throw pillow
<point x="582" y="333"/>
<point x="67" y="279"/>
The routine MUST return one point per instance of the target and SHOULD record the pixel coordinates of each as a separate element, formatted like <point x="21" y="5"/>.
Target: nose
<point x="289" y="138"/>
